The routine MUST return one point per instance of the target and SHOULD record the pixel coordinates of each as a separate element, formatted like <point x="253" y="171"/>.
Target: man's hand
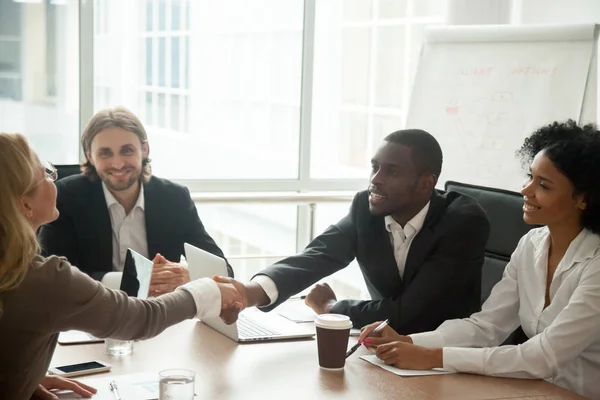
<point x="252" y="295"/>
<point x="239" y="286"/>
<point x="230" y="296"/>
<point x="321" y="298"/>
<point x="230" y="314"/>
<point x="386" y="335"/>
<point x="167" y="276"/>
<point x="52" y="383"/>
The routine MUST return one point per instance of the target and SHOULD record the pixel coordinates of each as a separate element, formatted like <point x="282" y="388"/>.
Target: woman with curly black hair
<point x="551" y="286"/>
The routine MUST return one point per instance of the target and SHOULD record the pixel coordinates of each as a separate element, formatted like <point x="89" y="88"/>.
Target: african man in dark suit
<point x="420" y="250"/>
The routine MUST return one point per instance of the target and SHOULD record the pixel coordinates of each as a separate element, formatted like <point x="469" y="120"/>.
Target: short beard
<point x="134" y="178"/>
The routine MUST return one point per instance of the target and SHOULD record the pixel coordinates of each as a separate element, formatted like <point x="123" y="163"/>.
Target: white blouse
<point x="564" y="344"/>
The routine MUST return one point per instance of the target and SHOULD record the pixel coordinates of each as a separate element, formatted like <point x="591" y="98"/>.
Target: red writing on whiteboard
<point x="452" y="107"/>
<point x="476" y="71"/>
<point x="539" y="71"/>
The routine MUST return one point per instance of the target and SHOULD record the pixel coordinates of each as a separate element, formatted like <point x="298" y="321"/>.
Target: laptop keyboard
<point x="249" y="328"/>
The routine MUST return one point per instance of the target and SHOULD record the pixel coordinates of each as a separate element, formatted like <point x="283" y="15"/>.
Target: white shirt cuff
<point x="112" y="280"/>
<point x="207" y="297"/>
<point x="432" y="339"/>
<point x="461" y="359"/>
<point x="268" y="286"/>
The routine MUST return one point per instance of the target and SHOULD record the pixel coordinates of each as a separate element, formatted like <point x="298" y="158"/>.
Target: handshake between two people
<point x="237" y="296"/>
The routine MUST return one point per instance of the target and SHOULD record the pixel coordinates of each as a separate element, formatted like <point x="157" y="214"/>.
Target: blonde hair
<point x="18" y="242"/>
<point x="118" y="117"/>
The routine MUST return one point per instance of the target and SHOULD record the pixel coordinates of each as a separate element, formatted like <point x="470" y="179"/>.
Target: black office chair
<point x="65" y="170"/>
<point x="505" y="213"/>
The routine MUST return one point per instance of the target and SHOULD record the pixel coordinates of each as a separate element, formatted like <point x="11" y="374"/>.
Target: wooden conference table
<point x="289" y="370"/>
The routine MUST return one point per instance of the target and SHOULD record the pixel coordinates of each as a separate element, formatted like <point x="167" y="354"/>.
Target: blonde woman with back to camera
<point x="39" y="297"/>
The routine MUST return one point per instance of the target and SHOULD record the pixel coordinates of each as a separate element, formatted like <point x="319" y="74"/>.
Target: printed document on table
<point x="403" y="372"/>
<point x="140" y="386"/>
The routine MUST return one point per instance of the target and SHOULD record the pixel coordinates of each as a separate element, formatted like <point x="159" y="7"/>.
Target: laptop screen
<point x="137" y="273"/>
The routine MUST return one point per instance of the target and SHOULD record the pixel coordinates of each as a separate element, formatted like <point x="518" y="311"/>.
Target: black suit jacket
<point x="442" y="275"/>
<point x="83" y="233"/>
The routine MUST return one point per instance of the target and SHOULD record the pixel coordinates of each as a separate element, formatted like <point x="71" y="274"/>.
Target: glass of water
<point x="176" y="384"/>
<point x="116" y="347"/>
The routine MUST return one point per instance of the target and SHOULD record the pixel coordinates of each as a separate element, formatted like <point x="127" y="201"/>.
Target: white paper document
<point x="296" y="310"/>
<point x="403" y="372"/>
<point x="141" y="386"/>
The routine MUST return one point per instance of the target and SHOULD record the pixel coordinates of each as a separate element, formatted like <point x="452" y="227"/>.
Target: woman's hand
<point x="409" y="356"/>
<point x="52" y="382"/>
<point x="386" y="335"/>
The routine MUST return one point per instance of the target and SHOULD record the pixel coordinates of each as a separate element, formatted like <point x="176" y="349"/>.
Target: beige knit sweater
<point x="54" y="297"/>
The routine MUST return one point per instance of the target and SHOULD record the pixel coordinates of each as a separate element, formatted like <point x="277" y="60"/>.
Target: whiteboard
<point x="480" y="90"/>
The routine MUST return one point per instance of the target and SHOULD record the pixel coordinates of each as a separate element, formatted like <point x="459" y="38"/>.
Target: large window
<point x="39" y="87"/>
<point x="217" y="83"/>
<point x="236" y="95"/>
<point x="252" y="236"/>
<point x="246" y="60"/>
<point x="366" y="53"/>
<point x="165" y="87"/>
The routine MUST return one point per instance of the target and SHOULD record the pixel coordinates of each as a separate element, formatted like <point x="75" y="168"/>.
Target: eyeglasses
<point x="50" y="171"/>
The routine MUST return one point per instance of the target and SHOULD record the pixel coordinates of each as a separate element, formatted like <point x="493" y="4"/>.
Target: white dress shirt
<point x="401" y="239"/>
<point x="127" y="230"/>
<point x="565" y="336"/>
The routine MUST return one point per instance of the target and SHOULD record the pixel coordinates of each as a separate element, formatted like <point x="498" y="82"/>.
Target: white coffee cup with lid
<point x="333" y="331"/>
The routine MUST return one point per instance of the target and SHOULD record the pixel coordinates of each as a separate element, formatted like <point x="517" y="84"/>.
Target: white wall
<point x="475" y="12"/>
<point x="557" y="11"/>
<point x="479" y="12"/>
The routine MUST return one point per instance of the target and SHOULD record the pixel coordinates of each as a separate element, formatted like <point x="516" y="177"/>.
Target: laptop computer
<point x="252" y="325"/>
<point x="137" y="273"/>
<point x="135" y="281"/>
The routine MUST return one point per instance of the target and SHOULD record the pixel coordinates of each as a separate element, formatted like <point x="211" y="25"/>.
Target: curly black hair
<point x="575" y="151"/>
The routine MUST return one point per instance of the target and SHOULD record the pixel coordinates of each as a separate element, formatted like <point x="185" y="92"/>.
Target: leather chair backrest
<point x="505" y="213"/>
<point x="65" y="170"/>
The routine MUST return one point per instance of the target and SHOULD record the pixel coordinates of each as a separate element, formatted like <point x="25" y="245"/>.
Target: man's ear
<point x="428" y="182"/>
<point x="145" y="150"/>
<point x="88" y="156"/>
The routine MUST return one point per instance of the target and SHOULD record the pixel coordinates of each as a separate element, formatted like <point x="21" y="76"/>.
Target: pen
<point x="376" y="330"/>
<point x="115" y="390"/>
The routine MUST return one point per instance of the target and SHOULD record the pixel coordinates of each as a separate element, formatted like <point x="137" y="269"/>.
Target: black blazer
<point x="83" y="233"/>
<point x="442" y="275"/>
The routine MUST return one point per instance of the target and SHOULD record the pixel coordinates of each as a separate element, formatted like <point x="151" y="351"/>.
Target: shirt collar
<point x="415" y="222"/>
<point x="585" y="245"/>
<point x="110" y="199"/>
